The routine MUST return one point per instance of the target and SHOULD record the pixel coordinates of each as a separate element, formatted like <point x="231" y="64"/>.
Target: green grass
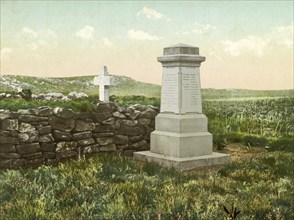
<point x="114" y="187"/>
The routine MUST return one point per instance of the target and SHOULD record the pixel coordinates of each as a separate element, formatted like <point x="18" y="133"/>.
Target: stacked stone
<point x="48" y="135"/>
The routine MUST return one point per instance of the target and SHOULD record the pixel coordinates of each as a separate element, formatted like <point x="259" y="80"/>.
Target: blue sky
<point x="248" y="44"/>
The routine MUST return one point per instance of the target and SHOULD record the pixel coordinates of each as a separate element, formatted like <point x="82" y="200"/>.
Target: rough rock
<point x="86" y="142"/>
<point x="28" y="148"/>
<point x="63" y="113"/>
<point x="108" y="148"/>
<point x="105" y="140"/>
<point x="65" y="146"/>
<point x="31" y="118"/>
<point x="61" y="135"/>
<point x="8" y="140"/>
<point x="46" y="138"/>
<point x="25" y="127"/>
<point x="10" y="155"/>
<point x="61" y="124"/>
<point x="82" y="135"/>
<point x="9" y="124"/>
<point x="7" y="148"/>
<point x="121" y="139"/>
<point x="84" y="125"/>
<point x="45" y="130"/>
<point x="118" y="115"/>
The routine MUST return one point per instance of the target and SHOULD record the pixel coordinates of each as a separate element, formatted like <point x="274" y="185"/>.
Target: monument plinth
<point x="181" y="139"/>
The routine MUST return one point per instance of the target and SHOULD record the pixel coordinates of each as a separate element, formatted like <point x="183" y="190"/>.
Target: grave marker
<point x="104" y="81"/>
<point x="181" y="139"/>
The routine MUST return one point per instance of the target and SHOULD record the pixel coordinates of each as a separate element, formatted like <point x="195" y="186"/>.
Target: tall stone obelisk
<point x="181" y="139"/>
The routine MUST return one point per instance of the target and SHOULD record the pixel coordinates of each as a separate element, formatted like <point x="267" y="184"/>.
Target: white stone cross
<point x="104" y="81"/>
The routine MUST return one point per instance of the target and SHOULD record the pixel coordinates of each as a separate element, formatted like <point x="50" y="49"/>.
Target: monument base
<point x="183" y="164"/>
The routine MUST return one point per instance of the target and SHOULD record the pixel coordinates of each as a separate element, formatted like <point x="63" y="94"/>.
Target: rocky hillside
<point x="122" y="85"/>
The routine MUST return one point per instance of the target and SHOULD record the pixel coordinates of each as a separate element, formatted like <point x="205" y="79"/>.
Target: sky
<point x="247" y="44"/>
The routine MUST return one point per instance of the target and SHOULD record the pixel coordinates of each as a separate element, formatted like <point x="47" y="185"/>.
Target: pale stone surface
<point x="104" y="81"/>
<point x="181" y="139"/>
<point x="182" y="164"/>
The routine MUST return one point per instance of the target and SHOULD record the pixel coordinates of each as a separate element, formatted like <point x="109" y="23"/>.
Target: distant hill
<point x="122" y="86"/>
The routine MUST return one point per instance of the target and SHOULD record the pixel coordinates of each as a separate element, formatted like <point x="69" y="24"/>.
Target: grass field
<point x="261" y="186"/>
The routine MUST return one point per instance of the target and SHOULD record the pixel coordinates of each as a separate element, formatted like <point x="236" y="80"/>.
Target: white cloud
<point x="49" y="33"/>
<point x="86" y="32"/>
<point x="284" y="35"/>
<point x="203" y="28"/>
<point x="5" y="52"/>
<point x="107" y="42"/>
<point x="150" y="13"/>
<point x="141" y="35"/>
<point x="29" y="32"/>
<point x="251" y="44"/>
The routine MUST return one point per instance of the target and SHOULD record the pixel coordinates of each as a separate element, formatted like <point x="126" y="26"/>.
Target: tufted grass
<point x="115" y="187"/>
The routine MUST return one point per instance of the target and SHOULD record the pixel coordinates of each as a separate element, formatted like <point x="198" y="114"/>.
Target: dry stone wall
<point x="47" y="135"/>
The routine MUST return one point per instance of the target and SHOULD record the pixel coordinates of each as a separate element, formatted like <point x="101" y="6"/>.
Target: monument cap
<point x="181" y="49"/>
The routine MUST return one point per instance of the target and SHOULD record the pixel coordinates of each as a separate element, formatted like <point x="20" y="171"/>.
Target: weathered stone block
<point x="139" y="144"/>
<point x="65" y="154"/>
<point x="36" y="161"/>
<point x="138" y="138"/>
<point x="19" y="163"/>
<point x="104" y="128"/>
<point x="101" y="116"/>
<point x="9" y="124"/>
<point x="148" y="113"/>
<point x="28" y="137"/>
<point x="45" y="130"/>
<point x="84" y="125"/>
<point x="131" y="130"/>
<point x="28" y="111"/>
<point x="8" y="140"/>
<point x="48" y="147"/>
<point x="31" y="118"/>
<point x="13" y="133"/>
<point x="108" y="148"/>
<point x="129" y="123"/>
<point x="32" y="155"/>
<point x="109" y="121"/>
<point x="105" y="107"/>
<point x="49" y="155"/>
<point x="61" y="136"/>
<point x="104" y="141"/>
<point x="82" y="135"/>
<point x="28" y="148"/>
<point x="7" y="148"/>
<point x="107" y="134"/>
<point x="61" y="124"/>
<point x="121" y="139"/>
<point x="10" y="155"/>
<point x="25" y="127"/>
<point x="4" y="133"/>
<point x="91" y="149"/>
<point x="118" y="115"/>
<point x="46" y="138"/>
<point x="144" y="122"/>
<point x="63" y="113"/>
<point x="44" y="111"/>
<point x="85" y="142"/>
<point x="65" y="146"/>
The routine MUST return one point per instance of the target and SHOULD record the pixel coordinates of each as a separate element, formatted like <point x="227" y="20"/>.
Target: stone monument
<point x="104" y="81"/>
<point x="181" y="139"/>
